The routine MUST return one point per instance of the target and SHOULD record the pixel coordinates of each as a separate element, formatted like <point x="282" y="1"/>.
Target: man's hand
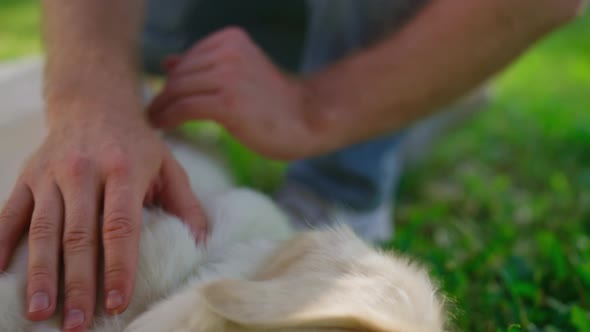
<point x="228" y="79"/>
<point x="100" y="159"/>
<point x="450" y="48"/>
<point x="91" y="164"/>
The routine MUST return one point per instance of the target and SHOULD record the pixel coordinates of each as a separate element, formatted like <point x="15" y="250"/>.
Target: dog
<point x="256" y="273"/>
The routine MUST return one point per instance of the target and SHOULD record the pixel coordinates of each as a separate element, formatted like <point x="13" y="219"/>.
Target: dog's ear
<point x="329" y="279"/>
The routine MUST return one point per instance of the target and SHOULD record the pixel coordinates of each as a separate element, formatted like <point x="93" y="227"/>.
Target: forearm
<point x="91" y="50"/>
<point x="451" y="47"/>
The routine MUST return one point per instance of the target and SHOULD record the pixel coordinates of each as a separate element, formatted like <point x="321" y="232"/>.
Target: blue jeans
<point x="314" y="34"/>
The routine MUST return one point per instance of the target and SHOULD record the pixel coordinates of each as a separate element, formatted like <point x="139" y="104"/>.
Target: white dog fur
<point x="255" y="274"/>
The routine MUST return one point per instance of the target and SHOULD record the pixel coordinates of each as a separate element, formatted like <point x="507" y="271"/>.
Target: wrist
<point x="98" y="107"/>
<point x="325" y="114"/>
<point x="92" y="94"/>
<point x="88" y="75"/>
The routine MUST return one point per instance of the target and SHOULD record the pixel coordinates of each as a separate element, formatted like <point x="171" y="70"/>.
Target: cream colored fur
<point x="255" y="274"/>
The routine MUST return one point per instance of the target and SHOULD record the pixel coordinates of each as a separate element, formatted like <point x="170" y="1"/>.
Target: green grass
<point x="500" y="211"/>
<point x="19" y="33"/>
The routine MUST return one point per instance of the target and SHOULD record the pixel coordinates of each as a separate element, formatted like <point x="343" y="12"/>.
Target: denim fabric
<point x="362" y="176"/>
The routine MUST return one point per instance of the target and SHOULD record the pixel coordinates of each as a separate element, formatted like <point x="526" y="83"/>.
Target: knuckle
<point x="120" y="166"/>
<point x="40" y="274"/>
<point x="228" y="75"/>
<point x="42" y="227"/>
<point x="8" y="215"/>
<point x="117" y="225"/>
<point x="78" y="240"/>
<point x="77" y="290"/>
<point x="118" y="163"/>
<point x="78" y="165"/>
<point x="116" y="272"/>
<point x="230" y="54"/>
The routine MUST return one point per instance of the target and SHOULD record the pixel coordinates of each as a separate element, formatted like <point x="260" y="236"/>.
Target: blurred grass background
<point x="500" y="211"/>
<point x="19" y="32"/>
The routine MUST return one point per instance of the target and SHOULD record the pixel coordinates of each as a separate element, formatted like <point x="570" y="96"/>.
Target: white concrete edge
<point x="11" y="69"/>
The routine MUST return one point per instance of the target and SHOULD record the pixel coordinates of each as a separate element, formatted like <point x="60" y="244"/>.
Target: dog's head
<point x="329" y="280"/>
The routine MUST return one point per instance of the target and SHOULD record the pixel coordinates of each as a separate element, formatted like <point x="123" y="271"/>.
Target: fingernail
<point x="114" y="300"/>
<point x="74" y="318"/>
<point x="39" y="301"/>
